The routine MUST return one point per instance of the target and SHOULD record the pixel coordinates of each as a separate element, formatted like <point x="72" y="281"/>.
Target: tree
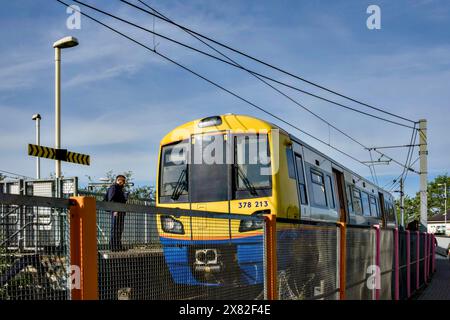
<point x="436" y="201"/>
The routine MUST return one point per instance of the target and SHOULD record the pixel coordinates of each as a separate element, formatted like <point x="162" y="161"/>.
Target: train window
<point x="290" y="162"/>
<point x="349" y="199"/>
<point x="208" y="168"/>
<point x="319" y="196"/>
<point x="365" y="203"/>
<point x="373" y="206"/>
<point x="301" y="179"/>
<point x="173" y="173"/>
<point x="252" y="164"/>
<point x="391" y="213"/>
<point x="357" y="204"/>
<point x="331" y="192"/>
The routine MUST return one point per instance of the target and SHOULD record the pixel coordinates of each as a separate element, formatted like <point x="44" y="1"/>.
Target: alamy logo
<point x="74" y="279"/>
<point x="74" y="20"/>
<point x="374" y="20"/>
<point x="374" y="281"/>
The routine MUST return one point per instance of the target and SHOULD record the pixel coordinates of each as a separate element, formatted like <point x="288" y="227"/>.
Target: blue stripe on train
<point x="249" y="251"/>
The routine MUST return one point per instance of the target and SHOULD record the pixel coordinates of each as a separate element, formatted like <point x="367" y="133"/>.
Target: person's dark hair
<point x="121" y="176"/>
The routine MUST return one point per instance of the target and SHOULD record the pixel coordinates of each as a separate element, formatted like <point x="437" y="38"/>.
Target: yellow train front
<point x="240" y="165"/>
<point x="217" y="164"/>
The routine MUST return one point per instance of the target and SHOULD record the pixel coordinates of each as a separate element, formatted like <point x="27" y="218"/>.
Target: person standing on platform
<point x="116" y="193"/>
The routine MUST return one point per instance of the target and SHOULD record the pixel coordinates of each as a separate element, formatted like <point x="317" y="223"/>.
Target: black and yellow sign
<point x="43" y="152"/>
<point x="78" y="158"/>
<point x="58" y="154"/>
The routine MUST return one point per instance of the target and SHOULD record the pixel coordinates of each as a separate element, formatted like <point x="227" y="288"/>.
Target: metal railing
<point x="361" y="252"/>
<point x="205" y="258"/>
<point x="387" y="264"/>
<point x="59" y="188"/>
<point x="81" y="248"/>
<point x="308" y="260"/>
<point x="34" y="248"/>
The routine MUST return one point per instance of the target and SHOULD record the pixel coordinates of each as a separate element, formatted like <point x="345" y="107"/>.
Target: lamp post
<point x="445" y="206"/>
<point x="37" y="118"/>
<point x="66" y="42"/>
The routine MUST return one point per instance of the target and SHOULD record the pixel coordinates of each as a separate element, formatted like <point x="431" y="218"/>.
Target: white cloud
<point x="110" y="73"/>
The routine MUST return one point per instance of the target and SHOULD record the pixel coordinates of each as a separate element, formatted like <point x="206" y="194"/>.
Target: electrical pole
<point x="423" y="155"/>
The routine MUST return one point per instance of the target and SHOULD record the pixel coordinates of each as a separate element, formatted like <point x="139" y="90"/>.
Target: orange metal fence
<point x="287" y="259"/>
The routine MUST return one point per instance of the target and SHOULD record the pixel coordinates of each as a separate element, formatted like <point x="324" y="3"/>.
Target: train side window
<point x="301" y="179"/>
<point x="349" y="199"/>
<point x="391" y="213"/>
<point x="319" y="196"/>
<point x="331" y="192"/>
<point x="290" y="163"/>
<point x="373" y="206"/>
<point x="365" y="203"/>
<point x="357" y="204"/>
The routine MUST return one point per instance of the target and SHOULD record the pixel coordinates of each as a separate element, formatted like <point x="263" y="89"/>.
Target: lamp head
<point x="36" y="116"/>
<point x="66" y="42"/>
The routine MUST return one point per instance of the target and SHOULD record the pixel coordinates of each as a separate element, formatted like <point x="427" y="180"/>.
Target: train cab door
<point x="338" y="178"/>
<point x="209" y="172"/>
<point x="300" y="174"/>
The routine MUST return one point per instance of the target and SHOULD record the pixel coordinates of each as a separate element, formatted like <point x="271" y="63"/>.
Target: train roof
<point x="227" y="121"/>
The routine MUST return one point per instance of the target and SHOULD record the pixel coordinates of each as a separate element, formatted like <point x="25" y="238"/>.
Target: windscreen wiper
<point x="248" y="185"/>
<point x="180" y="186"/>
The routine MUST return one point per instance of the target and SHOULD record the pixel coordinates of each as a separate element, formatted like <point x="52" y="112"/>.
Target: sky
<point x="119" y="100"/>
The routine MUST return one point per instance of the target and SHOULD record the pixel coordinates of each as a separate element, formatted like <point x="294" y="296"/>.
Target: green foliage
<point x="436" y="200"/>
<point x="2" y="177"/>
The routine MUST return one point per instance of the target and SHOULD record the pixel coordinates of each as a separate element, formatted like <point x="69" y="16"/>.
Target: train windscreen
<point x="211" y="167"/>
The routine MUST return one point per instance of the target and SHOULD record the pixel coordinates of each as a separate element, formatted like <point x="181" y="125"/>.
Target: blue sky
<point x="119" y="100"/>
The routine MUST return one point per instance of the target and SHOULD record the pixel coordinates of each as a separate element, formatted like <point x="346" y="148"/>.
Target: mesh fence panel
<point x="205" y="258"/>
<point x="422" y="259"/>
<point x="403" y="273"/>
<point x="360" y="255"/>
<point x="413" y="260"/>
<point x="34" y="252"/>
<point x="387" y="264"/>
<point x="308" y="263"/>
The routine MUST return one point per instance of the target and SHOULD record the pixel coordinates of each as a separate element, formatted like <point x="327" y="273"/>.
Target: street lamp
<point x="66" y="42"/>
<point x="445" y="206"/>
<point x="37" y="117"/>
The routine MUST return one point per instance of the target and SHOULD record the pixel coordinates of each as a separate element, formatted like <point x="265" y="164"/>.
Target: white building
<point x="437" y="225"/>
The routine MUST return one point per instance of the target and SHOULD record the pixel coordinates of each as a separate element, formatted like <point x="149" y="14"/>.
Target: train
<point x="240" y="164"/>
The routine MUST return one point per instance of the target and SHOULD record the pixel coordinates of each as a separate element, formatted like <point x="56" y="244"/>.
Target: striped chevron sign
<point x="78" y="158"/>
<point x="43" y="152"/>
<point x="58" y="154"/>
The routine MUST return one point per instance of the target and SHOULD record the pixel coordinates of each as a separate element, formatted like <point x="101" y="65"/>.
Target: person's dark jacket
<point x="115" y="194"/>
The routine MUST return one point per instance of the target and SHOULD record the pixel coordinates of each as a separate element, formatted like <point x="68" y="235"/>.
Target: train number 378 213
<point x="255" y="204"/>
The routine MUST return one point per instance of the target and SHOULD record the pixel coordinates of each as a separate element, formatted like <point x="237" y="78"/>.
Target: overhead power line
<point x="392" y="147"/>
<point x="214" y="83"/>
<point x="408" y="161"/>
<point x="267" y="64"/>
<point x="253" y="73"/>
<point x="234" y="63"/>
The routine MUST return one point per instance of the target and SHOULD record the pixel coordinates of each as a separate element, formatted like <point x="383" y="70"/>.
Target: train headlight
<point x="249" y="225"/>
<point x="171" y="225"/>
